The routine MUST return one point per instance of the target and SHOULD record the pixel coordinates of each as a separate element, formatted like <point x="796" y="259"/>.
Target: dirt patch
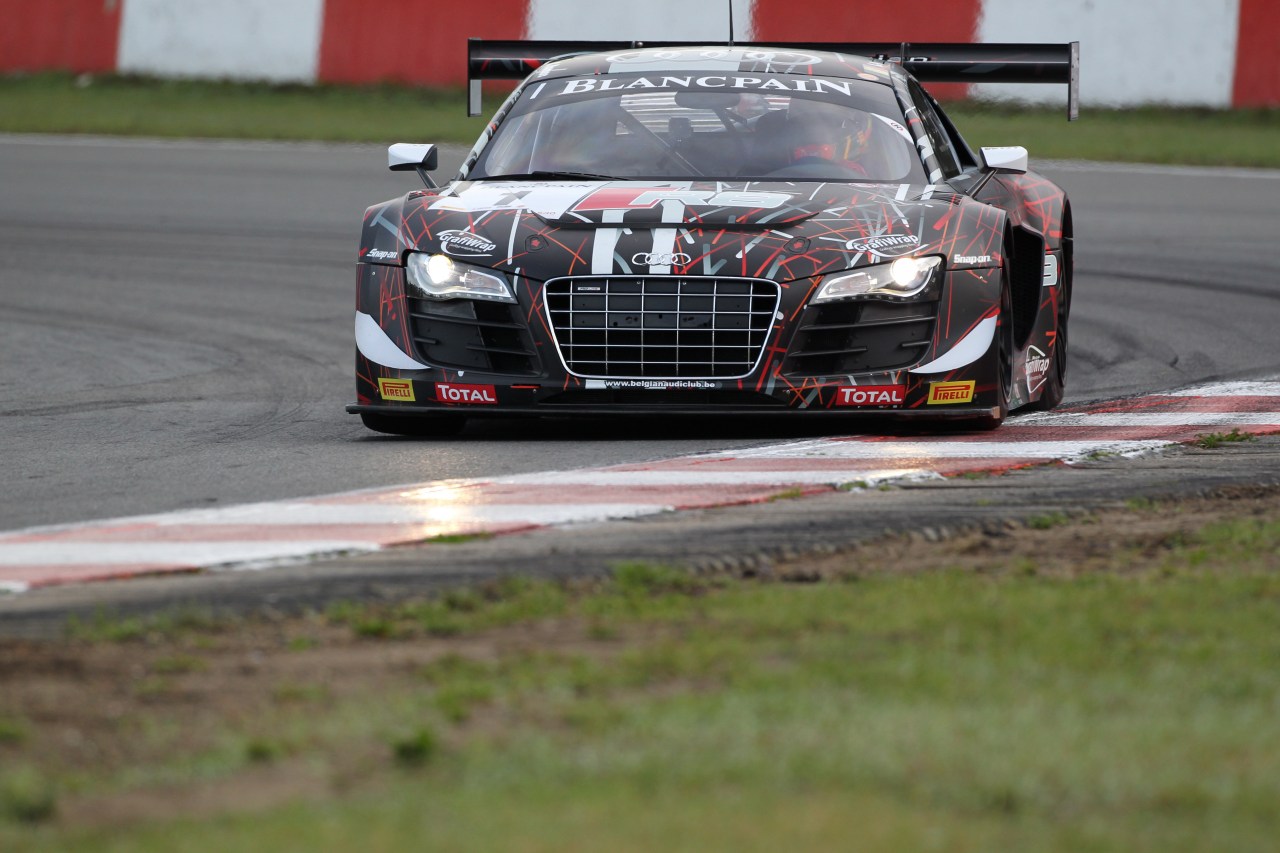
<point x="97" y="710"/>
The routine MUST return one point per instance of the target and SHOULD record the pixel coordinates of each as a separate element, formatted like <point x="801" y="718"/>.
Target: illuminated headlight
<point x="904" y="278"/>
<point x="441" y="277"/>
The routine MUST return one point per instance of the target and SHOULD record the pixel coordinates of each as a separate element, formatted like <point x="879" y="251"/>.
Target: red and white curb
<point x="254" y="536"/>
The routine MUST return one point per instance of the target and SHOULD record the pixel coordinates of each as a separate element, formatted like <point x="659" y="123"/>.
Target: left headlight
<point x="441" y="277"/>
<point x="905" y="278"/>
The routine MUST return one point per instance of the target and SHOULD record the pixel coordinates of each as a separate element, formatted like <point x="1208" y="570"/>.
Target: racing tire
<point x="1004" y="364"/>
<point x="420" y="426"/>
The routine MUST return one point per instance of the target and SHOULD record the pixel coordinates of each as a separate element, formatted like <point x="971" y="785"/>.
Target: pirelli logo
<point x="942" y="393"/>
<point x="399" y="390"/>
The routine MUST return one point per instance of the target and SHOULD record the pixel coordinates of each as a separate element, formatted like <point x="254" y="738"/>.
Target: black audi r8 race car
<point x="694" y="229"/>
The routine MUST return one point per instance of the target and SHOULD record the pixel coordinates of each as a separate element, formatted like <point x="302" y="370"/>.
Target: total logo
<point x="871" y="395"/>
<point x="469" y="394"/>
<point x="944" y="393"/>
<point x="397" y="390"/>
<point x="661" y="259"/>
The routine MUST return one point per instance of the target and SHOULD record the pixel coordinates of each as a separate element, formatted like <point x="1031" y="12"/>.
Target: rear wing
<point x="929" y="62"/>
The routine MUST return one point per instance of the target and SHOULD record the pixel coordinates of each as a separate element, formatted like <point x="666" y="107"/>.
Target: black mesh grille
<point x="860" y="337"/>
<point x="467" y="335"/>
<point x="661" y="328"/>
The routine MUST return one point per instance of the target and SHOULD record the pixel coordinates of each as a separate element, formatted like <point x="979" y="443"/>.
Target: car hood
<point x="706" y="204"/>
<point x="776" y="230"/>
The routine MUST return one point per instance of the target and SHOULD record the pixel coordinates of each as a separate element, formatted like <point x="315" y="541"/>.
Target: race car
<point x="735" y="229"/>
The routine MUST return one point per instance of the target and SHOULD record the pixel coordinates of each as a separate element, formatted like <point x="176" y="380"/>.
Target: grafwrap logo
<point x="944" y="393"/>
<point x="885" y="245"/>
<point x="1037" y="368"/>
<point x="398" y="390"/>
<point x="464" y="244"/>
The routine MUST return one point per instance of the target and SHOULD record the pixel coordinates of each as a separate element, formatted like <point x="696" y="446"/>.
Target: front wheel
<point x="1004" y="363"/>
<point x="420" y="426"/>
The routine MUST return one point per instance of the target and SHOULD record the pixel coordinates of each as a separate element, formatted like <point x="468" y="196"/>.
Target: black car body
<point x="707" y="229"/>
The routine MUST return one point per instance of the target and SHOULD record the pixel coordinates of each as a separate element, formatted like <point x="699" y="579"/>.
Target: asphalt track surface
<point x="175" y="323"/>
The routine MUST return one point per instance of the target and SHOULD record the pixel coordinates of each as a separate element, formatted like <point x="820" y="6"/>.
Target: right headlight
<point x="441" y="277"/>
<point x="905" y="278"/>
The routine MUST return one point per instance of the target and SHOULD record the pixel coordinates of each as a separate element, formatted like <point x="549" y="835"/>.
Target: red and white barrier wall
<point x="1195" y="52"/>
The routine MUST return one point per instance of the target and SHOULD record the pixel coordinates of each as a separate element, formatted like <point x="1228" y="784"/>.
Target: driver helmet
<point x="828" y="132"/>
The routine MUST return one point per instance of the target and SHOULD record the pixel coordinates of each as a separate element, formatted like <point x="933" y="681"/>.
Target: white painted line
<point x="1263" y="388"/>
<point x="164" y="553"/>
<point x="1138" y="420"/>
<point x="917" y="452"/>
<point x="733" y="477"/>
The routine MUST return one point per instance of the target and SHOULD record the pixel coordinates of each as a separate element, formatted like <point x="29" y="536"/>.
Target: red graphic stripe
<point x="54" y="575"/>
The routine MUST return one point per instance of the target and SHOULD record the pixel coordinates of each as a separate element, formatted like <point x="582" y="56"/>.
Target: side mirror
<point x="1012" y="158"/>
<point x="412" y="157"/>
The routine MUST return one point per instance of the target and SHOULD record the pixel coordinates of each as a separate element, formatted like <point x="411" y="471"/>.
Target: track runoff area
<point x="258" y="536"/>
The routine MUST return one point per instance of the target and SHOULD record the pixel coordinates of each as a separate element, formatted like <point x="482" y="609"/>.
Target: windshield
<point x="765" y="127"/>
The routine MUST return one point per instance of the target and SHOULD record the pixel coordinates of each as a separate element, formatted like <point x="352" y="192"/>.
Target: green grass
<point x="56" y="103"/>
<point x="1007" y="710"/>
<point x="131" y="106"/>
<point x="1209" y="441"/>
<point x="1048" y="520"/>
<point x="1149" y="134"/>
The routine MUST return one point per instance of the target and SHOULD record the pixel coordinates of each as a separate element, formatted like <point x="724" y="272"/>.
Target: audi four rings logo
<point x="661" y="259"/>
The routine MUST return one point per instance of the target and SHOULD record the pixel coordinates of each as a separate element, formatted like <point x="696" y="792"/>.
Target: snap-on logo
<point x="381" y="254"/>
<point x="661" y="259"/>
<point x="942" y="393"/>
<point x="396" y="389"/>
<point x="465" y="393"/>
<point x="871" y="395"/>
